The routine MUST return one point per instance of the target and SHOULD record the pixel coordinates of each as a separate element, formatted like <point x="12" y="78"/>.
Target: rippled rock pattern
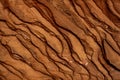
<point x="59" y="39"/>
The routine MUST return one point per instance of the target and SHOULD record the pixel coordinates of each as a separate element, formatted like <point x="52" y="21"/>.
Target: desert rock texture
<point x="59" y="39"/>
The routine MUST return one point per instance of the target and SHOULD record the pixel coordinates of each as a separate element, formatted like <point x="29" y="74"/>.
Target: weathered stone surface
<point x="59" y="40"/>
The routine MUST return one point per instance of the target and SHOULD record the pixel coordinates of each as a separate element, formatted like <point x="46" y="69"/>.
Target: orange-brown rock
<point x="59" y="40"/>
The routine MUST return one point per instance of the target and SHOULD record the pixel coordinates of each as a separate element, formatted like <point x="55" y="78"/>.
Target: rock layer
<point x="59" y="40"/>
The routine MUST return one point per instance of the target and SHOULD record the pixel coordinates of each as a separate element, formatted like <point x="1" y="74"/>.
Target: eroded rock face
<point x="59" y="40"/>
